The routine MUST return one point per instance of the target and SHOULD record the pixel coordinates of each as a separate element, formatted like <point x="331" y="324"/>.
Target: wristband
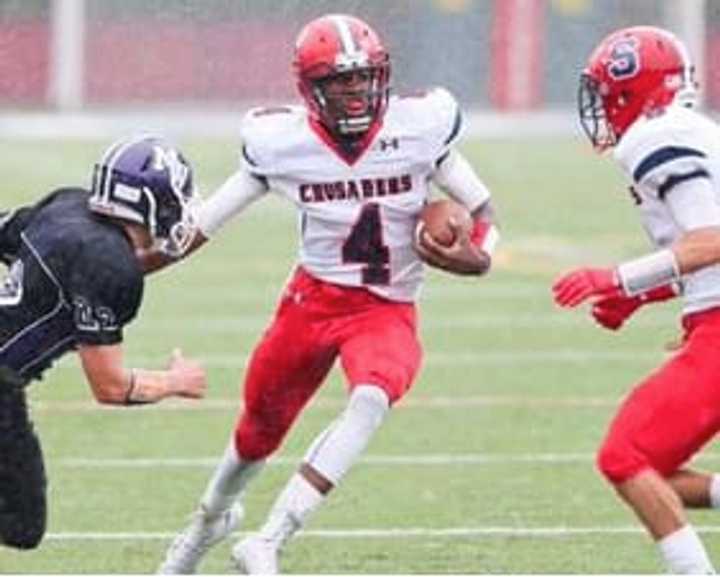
<point x="485" y="236"/>
<point x="132" y="394"/>
<point x="648" y="272"/>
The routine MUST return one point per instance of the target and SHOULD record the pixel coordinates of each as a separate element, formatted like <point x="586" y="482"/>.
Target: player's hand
<point x="612" y="312"/>
<point x="187" y="376"/>
<point x="461" y="257"/>
<point x="581" y="284"/>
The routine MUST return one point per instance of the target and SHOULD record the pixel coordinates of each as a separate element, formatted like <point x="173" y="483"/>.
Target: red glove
<point x="612" y="312"/>
<point x="579" y="285"/>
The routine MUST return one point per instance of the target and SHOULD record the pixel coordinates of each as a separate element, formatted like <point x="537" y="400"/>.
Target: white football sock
<point x="229" y="479"/>
<point x="332" y="453"/>
<point x="715" y="492"/>
<point x="296" y="502"/>
<point x="684" y="553"/>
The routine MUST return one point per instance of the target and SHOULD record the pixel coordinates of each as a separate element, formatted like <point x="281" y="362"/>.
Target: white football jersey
<point x="356" y="214"/>
<point x="668" y="153"/>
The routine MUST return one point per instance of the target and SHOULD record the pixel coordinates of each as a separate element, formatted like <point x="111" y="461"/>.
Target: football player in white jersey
<point x="636" y="95"/>
<point x="358" y="165"/>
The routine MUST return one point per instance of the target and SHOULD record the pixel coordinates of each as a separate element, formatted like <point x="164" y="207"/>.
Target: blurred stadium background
<point x="203" y="60"/>
<point x="487" y="466"/>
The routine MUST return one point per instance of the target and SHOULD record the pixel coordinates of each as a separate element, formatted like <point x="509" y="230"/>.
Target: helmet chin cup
<point x="354" y="125"/>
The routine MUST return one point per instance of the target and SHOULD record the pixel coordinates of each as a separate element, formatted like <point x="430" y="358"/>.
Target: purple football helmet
<point x="147" y="181"/>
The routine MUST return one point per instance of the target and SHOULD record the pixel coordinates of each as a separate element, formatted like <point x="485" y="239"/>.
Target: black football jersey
<point x="72" y="278"/>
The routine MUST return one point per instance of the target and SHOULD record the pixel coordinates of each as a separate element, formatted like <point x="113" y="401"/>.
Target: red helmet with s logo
<point x="339" y="46"/>
<point x="633" y="71"/>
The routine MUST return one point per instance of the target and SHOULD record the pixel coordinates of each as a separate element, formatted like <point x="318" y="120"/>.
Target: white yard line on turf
<point x="384" y="460"/>
<point x="397" y="533"/>
<point x="479" y="358"/>
<point x="412" y="402"/>
<point x="523" y="320"/>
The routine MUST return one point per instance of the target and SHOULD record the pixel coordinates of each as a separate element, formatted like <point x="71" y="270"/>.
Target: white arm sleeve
<point x="459" y="180"/>
<point x="233" y="196"/>
<point x="693" y="204"/>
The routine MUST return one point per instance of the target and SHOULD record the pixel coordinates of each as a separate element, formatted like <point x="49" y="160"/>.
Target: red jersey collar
<point x="349" y="157"/>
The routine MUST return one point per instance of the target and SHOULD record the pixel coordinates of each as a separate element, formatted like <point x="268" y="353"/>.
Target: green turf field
<point x="486" y="467"/>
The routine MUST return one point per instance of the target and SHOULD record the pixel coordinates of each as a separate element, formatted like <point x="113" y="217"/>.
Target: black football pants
<point x="23" y="510"/>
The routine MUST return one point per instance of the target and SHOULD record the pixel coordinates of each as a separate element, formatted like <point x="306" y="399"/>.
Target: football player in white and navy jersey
<point x="636" y="96"/>
<point x="358" y="165"/>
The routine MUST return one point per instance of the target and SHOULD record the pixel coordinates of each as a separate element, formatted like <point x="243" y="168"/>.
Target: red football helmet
<point x="632" y="72"/>
<point x="341" y="47"/>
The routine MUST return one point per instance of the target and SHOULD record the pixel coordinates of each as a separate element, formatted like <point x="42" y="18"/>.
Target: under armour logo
<point x="386" y="143"/>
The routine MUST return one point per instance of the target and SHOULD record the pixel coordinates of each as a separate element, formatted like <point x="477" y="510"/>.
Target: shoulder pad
<point x="436" y="115"/>
<point x="660" y="152"/>
<point x="262" y="131"/>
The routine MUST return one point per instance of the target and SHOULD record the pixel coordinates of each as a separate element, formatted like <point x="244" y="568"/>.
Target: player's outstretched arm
<point x="233" y="196"/>
<point x="113" y="384"/>
<point x="694" y="208"/>
<point x="694" y="250"/>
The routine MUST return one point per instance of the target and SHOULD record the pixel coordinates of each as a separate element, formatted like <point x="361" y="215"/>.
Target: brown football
<point x="435" y="217"/>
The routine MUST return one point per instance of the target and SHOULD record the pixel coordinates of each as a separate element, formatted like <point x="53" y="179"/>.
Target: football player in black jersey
<point x="73" y="281"/>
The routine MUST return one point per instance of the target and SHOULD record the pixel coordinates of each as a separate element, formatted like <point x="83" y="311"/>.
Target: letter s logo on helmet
<point x="632" y="72"/>
<point x="328" y="48"/>
<point x="147" y="181"/>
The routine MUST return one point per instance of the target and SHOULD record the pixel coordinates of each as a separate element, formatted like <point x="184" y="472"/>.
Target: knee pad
<point x="618" y="460"/>
<point x="370" y="403"/>
<point x="341" y="444"/>
<point x="23" y="508"/>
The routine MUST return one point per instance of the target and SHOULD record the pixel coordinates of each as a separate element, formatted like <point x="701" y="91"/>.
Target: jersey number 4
<point x="365" y="245"/>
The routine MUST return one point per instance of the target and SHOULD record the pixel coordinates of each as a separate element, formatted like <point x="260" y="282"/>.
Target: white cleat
<point x="256" y="556"/>
<point x="190" y="546"/>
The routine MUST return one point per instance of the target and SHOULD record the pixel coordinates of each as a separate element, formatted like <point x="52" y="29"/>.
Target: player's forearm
<point x="113" y="384"/>
<point x="697" y="249"/>
<point x="148" y="386"/>
<point x="133" y="386"/>
<point x="693" y="251"/>
<point x="459" y="180"/>
<point x="233" y="196"/>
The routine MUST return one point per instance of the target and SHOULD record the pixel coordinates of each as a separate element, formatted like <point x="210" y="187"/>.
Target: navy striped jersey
<point x="672" y="160"/>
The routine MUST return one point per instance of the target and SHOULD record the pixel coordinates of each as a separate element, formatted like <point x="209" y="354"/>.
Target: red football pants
<point x="315" y="323"/>
<point x="670" y="415"/>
